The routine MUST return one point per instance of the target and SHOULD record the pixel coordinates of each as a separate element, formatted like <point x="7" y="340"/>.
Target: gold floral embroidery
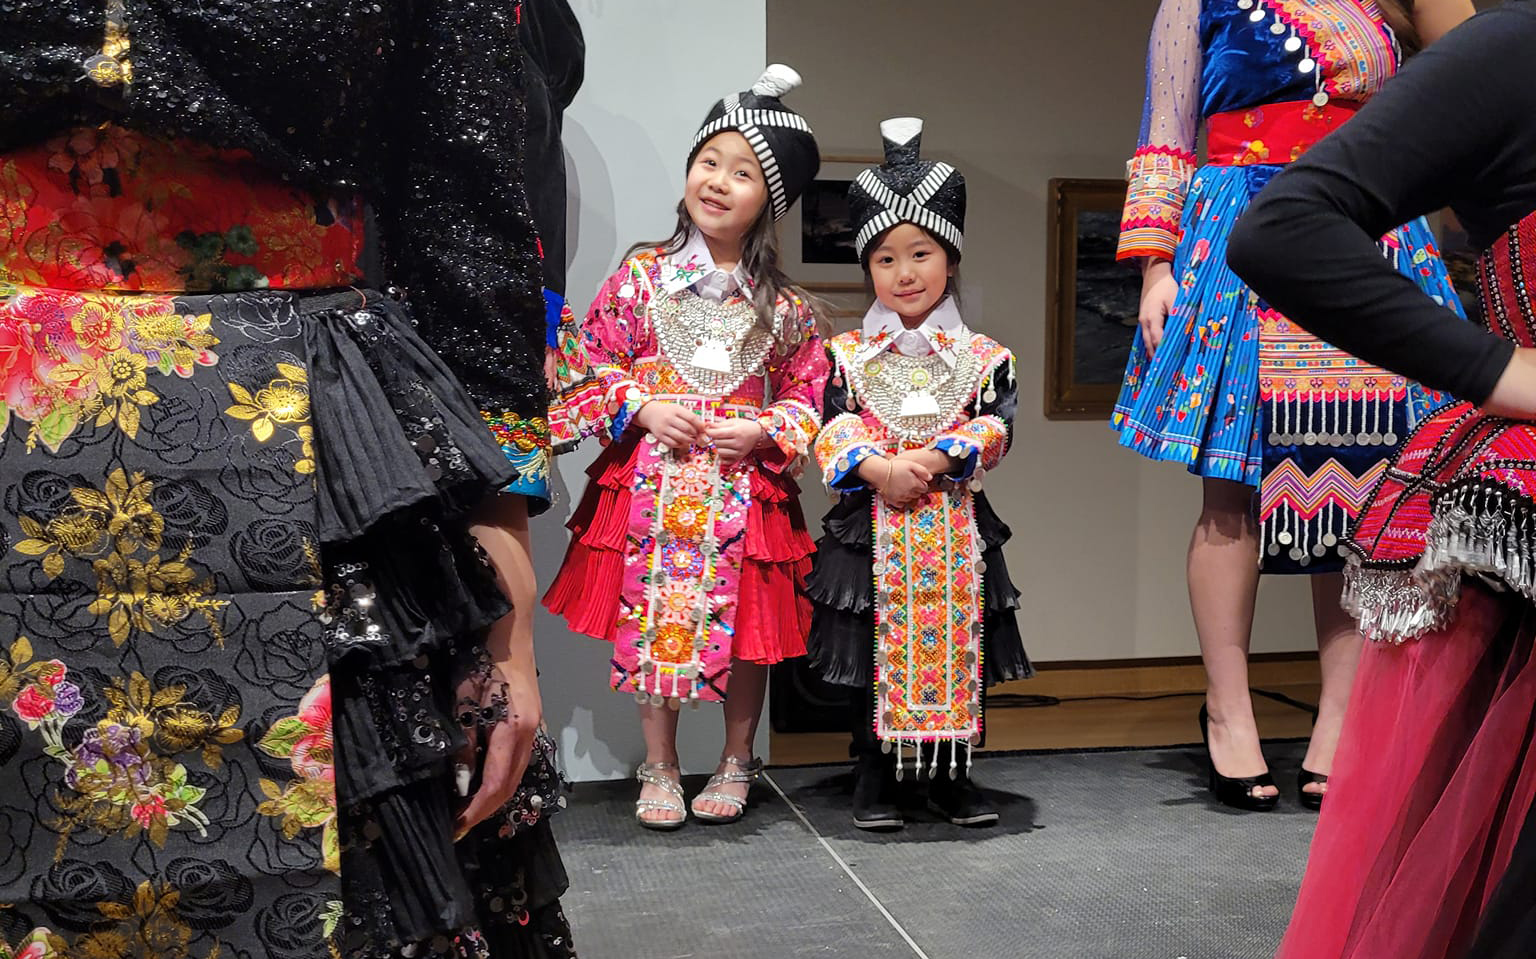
<point x="168" y="721"/>
<point x="111" y="529"/>
<point x="284" y="401"/>
<point x="151" y="925"/>
<point x="118" y="388"/>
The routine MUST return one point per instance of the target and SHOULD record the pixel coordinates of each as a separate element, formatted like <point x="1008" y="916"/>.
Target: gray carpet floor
<point x="1107" y="855"/>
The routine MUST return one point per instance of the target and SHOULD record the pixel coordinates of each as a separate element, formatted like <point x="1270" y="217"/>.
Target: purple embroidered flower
<point x="115" y="746"/>
<point x="67" y="699"/>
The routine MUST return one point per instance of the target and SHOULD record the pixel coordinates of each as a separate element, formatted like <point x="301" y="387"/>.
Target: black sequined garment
<point x="417" y="104"/>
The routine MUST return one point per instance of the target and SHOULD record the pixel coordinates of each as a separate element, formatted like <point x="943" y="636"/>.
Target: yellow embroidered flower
<point x="118" y="380"/>
<point x="283" y="400"/>
<point x="121" y="373"/>
<point x="306" y="465"/>
<point x="1255" y="151"/>
<point x="77" y="532"/>
<point x="98" y="326"/>
<point x="165" y="717"/>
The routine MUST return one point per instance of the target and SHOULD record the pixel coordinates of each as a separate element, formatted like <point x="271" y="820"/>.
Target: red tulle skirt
<point x="773" y="614"/>
<point x="1431" y="786"/>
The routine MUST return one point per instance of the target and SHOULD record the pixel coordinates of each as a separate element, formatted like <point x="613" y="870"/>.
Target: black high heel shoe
<point x="1305" y="778"/>
<point x="1236" y="793"/>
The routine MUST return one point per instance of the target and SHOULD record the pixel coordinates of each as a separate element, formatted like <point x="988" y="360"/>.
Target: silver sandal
<point x="649" y="774"/>
<point x="744" y="772"/>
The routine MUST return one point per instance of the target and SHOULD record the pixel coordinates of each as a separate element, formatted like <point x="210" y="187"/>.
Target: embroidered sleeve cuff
<point x="965" y="453"/>
<point x="624" y="400"/>
<point x="840" y="447"/>
<point x="791" y="426"/>
<point x="843" y="472"/>
<point x="983" y="439"/>
<point x="1157" y="183"/>
<point x="578" y="410"/>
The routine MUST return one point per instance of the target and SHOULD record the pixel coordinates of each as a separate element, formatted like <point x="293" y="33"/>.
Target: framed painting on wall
<point x="1091" y="299"/>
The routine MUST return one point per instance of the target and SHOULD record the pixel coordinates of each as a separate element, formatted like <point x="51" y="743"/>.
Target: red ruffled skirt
<point x="1431" y="785"/>
<point x="773" y="615"/>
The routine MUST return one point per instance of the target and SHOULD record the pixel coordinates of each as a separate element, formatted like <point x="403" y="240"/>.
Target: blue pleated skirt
<point x="1196" y="401"/>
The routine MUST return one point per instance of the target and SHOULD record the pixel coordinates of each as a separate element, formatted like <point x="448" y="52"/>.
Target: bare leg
<point x="658" y="724"/>
<point x="1223" y="576"/>
<point x="743" y="709"/>
<point x="1338" y="651"/>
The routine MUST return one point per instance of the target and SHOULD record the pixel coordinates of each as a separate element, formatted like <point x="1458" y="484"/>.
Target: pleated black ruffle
<point x="403" y="455"/>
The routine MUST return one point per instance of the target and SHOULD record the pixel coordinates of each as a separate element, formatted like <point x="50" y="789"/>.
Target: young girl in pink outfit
<point x="689" y="551"/>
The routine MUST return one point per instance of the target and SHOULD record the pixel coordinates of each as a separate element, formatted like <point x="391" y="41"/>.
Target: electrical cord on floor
<point x="1030" y="701"/>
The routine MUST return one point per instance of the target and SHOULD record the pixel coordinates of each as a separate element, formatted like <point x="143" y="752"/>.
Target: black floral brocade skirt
<point x="237" y="605"/>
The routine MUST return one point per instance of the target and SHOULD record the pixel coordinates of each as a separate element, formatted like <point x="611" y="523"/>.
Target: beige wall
<point x="1014" y="94"/>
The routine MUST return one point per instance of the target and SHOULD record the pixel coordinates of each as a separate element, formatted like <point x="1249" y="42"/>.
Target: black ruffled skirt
<point x="841" y="586"/>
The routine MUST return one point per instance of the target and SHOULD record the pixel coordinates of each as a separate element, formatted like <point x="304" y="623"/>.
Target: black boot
<point x="875" y="805"/>
<point x="875" y="793"/>
<point x="960" y="800"/>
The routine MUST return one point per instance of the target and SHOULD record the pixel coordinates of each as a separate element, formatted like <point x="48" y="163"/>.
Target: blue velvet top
<point x="1219" y="56"/>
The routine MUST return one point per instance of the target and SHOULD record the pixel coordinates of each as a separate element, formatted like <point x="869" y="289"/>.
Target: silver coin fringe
<point x="1479" y="529"/>
<point x="927" y="753"/>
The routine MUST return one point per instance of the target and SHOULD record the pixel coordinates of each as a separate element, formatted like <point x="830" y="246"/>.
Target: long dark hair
<point x="760" y="260"/>
<point x="1399" y="16"/>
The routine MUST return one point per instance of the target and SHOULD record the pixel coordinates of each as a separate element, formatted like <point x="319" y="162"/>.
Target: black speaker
<point x="801" y="702"/>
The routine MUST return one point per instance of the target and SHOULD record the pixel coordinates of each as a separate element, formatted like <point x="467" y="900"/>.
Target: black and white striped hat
<point x="779" y="136"/>
<point x="907" y="189"/>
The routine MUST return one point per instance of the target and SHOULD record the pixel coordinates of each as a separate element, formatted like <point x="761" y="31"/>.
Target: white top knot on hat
<point x="776" y="81"/>
<point x="901" y="130"/>
<point x="780" y="137"/>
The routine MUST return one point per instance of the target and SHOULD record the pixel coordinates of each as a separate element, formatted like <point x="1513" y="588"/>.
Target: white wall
<point x="650" y="78"/>
<point x="1015" y="94"/>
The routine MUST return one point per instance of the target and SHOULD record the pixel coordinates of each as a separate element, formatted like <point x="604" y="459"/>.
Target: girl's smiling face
<point x="910" y="271"/>
<point x="725" y="192"/>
